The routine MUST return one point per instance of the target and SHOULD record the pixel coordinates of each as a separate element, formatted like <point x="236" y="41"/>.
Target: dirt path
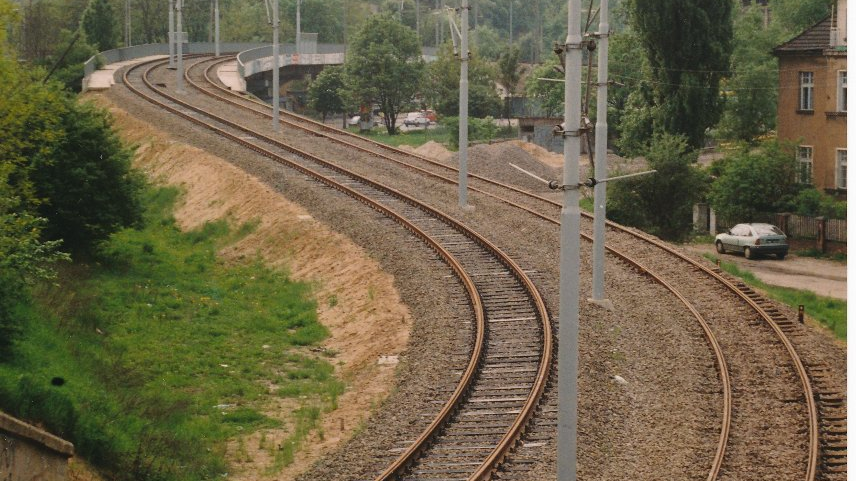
<point x="823" y="277"/>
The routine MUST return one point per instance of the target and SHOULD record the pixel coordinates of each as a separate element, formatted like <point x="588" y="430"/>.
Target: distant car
<point x="417" y="119"/>
<point x="753" y="239"/>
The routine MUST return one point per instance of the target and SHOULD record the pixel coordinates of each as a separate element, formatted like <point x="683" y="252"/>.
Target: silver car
<point x="753" y="239"/>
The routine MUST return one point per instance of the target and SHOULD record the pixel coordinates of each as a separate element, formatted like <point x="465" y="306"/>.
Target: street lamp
<point x="179" y="71"/>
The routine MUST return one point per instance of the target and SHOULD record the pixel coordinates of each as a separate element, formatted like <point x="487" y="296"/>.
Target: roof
<point x="813" y="39"/>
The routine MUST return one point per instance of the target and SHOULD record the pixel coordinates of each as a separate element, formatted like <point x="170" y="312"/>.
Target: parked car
<point x="418" y="119"/>
<point x="753" y="239"/>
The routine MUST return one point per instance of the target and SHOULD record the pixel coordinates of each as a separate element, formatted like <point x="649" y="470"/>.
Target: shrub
<point x="477" y="129"/>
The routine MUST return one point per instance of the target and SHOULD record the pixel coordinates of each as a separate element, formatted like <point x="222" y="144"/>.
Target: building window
<point x="841" y="168"/>
<point x="842" y="91"/>
<point x="804" y="156"/>
<point x="806" y="90"/>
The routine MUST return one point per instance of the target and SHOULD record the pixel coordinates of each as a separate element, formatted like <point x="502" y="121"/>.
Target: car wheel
<point x="720" y="248"/>
<point x="747" y="252"/>
<point x="781" y="256"/>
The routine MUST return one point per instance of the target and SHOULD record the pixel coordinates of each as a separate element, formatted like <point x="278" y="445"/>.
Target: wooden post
<point x="821" y="234"/>
<point x="782" y="221"/>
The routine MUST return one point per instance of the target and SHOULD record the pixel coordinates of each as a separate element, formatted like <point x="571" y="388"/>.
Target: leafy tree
<point x="688" y="45"/>
<point x="752" y="89"/>
<point x="551" y="95"/>
<point x="488" y="43"/>
<point x="627" y="66"/>
<point x="509" y="75"/>
<point x="794" y="16"/>
<point x="69" y="72"/>
<point x="660" y="203"/>
<point x="754" y="181"/>
<point x="88" y="187"/>
<point x="325" y="92"/>
<point x="99" y="24"/>
<point x="384" y="66"/>
<point x="444" y="81"/>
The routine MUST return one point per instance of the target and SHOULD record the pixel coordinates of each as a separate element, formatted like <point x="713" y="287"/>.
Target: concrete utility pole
<point x="569" y="257"/>
<point x="275" y="52"/>
<point x="463" y="110"/>
<point x="217" y="28"/>
<point x="179" y="39"/>
<point x="297" y="34"/>
<point x="600" y="132"/>
<point x="510" y="22"/>
<point x="127" y="23"/>
<point x="171" y="33"/>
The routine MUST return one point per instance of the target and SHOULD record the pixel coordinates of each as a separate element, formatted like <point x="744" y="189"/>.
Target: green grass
<point x="165" y="352"/>
<point x="413" y="138"/>
<point x="832" y="313"/>
<point x="838" y="256"/>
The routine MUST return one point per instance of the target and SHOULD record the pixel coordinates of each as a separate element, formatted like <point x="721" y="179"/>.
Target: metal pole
<point x="463" y="99"/>
<point x="569" y="257"/>
<point x="179" y="39"/>
<point x="275" y="53"/>
<point x="297" y="35"/>
<point x="418" y="34"/>
<point x="600" y="133"/>
<point x="171" y="33"/>
<point x="217" y="28"/>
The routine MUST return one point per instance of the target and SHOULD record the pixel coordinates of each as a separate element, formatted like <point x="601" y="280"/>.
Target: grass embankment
<point x="413" y="138"/>
<point x="830" y="312"/>
<point x="151" y="357"/>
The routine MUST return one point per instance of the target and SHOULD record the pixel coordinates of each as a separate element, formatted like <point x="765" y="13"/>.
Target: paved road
<point x="823" y="277"/>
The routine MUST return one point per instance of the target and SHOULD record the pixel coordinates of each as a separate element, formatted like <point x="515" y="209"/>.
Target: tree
<point x="99" y="25"/>
<point x="385" y="66"/>
<point x="688" y="45"/>
<point x="325" y="92"/>
<point x="444" y="81"/>
<point x="509" y="75"/>
<point x="550" y="95"/>
<point x="753" y="181"/>
<point x="752" y="89"/>
<point x="88" y="187"/>
<point x="660" y="203"/>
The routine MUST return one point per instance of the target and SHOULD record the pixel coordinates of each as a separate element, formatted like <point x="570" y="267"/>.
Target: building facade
<point x="813" y="101"/>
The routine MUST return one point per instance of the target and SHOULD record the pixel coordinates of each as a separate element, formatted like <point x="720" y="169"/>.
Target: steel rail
<point x="507" y="443"/>
<point x="708" y="333"/>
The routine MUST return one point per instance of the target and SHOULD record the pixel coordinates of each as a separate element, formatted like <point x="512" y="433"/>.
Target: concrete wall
<point x="30" y="454"/>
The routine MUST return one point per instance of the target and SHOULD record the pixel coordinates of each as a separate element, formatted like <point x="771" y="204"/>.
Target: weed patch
<point x="165" y="352"/>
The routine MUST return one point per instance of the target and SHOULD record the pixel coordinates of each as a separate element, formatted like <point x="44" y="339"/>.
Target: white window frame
<point x="806" y="91"/>
<point x="842" y="91"/>
<point x="805" y="164"/>
<point x="841" y="169"/>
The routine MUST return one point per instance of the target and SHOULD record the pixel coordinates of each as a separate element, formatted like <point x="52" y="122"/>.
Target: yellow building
<point x="813" y="101"/>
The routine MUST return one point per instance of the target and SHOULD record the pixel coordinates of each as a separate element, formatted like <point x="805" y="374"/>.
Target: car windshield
<point x="767" y="229"/>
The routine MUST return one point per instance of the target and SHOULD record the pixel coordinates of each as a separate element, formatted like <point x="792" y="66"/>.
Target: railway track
<point x="512" y="334"/>
<point x="825" y="449"/>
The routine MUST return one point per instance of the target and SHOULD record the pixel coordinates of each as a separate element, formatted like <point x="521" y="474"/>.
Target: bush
<point x="477" y="129"/>
<point x="812" y="202"/>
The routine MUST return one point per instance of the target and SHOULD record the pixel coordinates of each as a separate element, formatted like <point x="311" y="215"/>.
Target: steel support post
<point x="463" y="110"/>
<point x="569" y="274"/>
<point x="171" y="33"/>
<point x="217" y="28"/>
<point x="297" y="28"/>
<point x="275" y="53"/>
<point x="179" y="39"/>
<point x="598" y="261"/>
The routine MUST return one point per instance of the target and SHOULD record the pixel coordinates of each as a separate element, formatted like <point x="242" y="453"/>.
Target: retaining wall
<point x="29" y="454"/>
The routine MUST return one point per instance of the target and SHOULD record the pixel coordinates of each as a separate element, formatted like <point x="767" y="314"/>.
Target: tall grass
<point x="151" y="356"/>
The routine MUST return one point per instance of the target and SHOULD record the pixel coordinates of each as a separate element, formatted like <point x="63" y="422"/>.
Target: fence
<point x="819" y="229"/>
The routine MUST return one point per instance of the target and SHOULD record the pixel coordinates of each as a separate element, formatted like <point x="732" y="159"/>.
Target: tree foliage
<point x="385" y="66"/>
<point x="753" y="181"/>
<point x="442" y="87"/>
<point x="660" y="203"/>
<point x="550" y="95"/>
<point x="325" y="92"/>
<point x="509" y="75"/>
<point x="688" y="46"/>
<point x="99" y="25"/>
